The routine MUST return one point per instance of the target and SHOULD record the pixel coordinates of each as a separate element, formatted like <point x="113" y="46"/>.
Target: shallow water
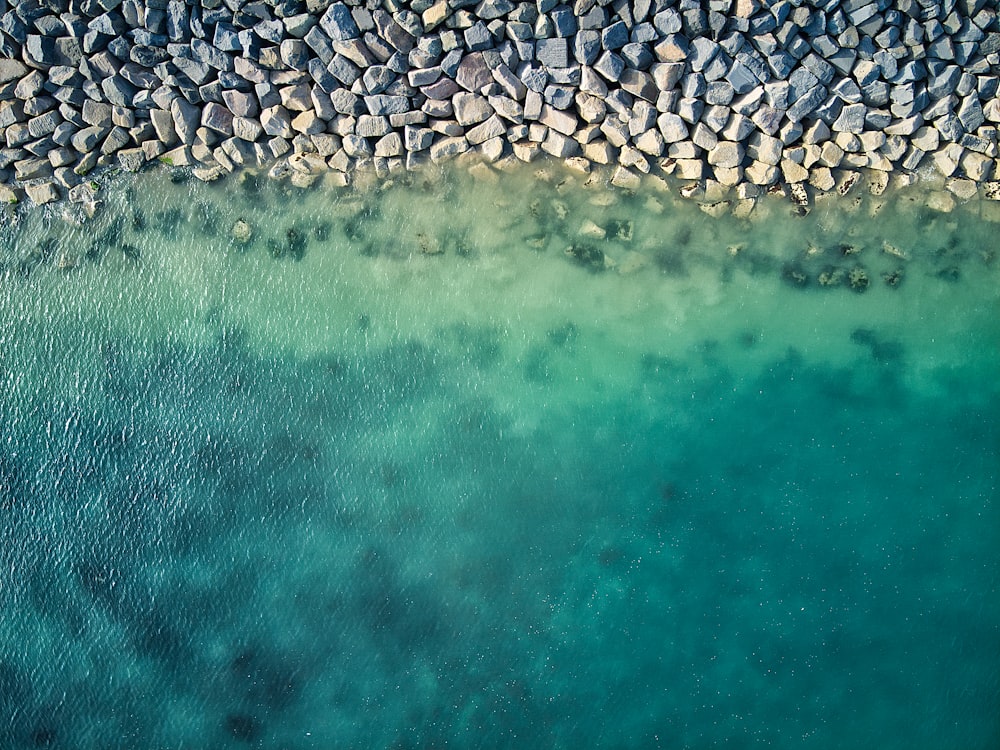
<point x="325" y="488"/>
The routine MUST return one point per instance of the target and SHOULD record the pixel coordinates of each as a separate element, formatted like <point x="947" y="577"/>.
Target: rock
<point x="552" y="53"/>
<point x="977" y="167"/>
<point x="216" y="117"/>
<point x="242" y="232"/>
<point x="131" y="159"/>
<point x="11" y="70"/>
<point x="626" y="179"/>
<point x="9" y="195"/>
<point x="672" y="127"/>
<point x="650" y="142"/>
<point x="42" y="193"/>
<point x="851" y="119"/>
<point x="308" y="123"/>
<point x="759" y="173"/>
<point x="792" y="172"/>
<point x="186" y="119"/>
<point x="485" y="131"/>
<point x="382" y="104"/>
<point x="389" y="145"/>
<point x="690" y="169"/>
<point x="963" y="189"/>
<point x="726" y="154"/>
<point x="338" y="24"/>
<point x="447" y="148"/>
<point x="435" y="15"/>
<point x="470" y="108"/>
<point x="276" y="121"/>
<point x="559" y="120"/>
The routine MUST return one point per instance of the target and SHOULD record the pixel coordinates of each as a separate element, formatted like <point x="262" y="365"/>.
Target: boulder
<point x="389" y="145"/>
<point x="187" y="119"/>
<point x="338" y="23"/>
<point x="276" y="121"/>
<point x="470" y="108"/>
<point x="726" y="154"/>
<point x="448" y="147"/>
<point x="131" y="159"/>
<point x="216" y="117"/>
<point x="42" y="193"/>
<point x="672" y="127"/>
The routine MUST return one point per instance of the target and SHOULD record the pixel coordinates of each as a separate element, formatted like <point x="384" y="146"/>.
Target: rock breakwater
<point x="742" y="95"/>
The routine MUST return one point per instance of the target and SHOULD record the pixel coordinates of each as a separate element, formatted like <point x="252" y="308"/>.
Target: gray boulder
<point x="338" y="23"/>
<point x="187" y="119"/>
<point x="216" y="117"/>
<point x="672" y="127"/>
<point x="470" y="108"/>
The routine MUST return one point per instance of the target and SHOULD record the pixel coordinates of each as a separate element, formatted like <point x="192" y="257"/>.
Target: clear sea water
<point x="400" y="472"/>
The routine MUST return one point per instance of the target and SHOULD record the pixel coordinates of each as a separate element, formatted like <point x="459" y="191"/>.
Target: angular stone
<point x="491" y="128"/>
<point x="117" y="139"/>
<point x="187" y="118"/>
<point x="338" y="23"/>
<point x="851" y="119"/>
<point x="473" y="73"/>
<point x="806" y="104"/>
<point x="294" y="53"/>
<point x="32" y="169"/>
<point x="216" y="117"/>
<point x="470" y="108"/>
<point x="672" y="127"/>
<point x="308" y="123"/>
<point x="650" y="142"/>
<point x="759" y="173"/>
<point x="638" y="83"/>
<point x="970" y="113"/>
<point x="276" y="121"/>
<point x="392" y="32"/>
<point x="247" y="128"/>
<point x="132" y="159"/>
<point x="118" y="91"/>
<point x="559" y="145"/>
<point x="389" y="145"/>
<point x="384" y="104"/>
<point x="690" y="169"/>
<point x="357" y="147"/>
<point x="42" y="193"/>
<point x="767" y="119"/>
<point x="792" y="172"/>
<point x="11" y="70"/>
<point x="205" y="53"/>
<point x="447" y="148"/>
<point x="86" y="140"/>
<point x="416" y="138"/>
<point x="97" y="113"/>
<point x="610" y="66"/>
<point x="241" y="103"/>
<point x="296" y="98"/>
<point x="346" y="102"/>
<point x="552" y="53"/>
<point x="726" y="154"/>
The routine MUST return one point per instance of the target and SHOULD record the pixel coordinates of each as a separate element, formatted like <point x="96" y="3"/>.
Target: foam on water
<point x="401" y="472"/>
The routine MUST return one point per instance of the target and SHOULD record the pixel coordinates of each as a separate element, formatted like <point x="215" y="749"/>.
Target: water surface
<point x="434" y="464"/>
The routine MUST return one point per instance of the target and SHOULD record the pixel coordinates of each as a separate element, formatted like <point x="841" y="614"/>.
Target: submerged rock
<point x="588" y="256"/>
<point x="857" y="277"/>
<point x="242" y="232"/>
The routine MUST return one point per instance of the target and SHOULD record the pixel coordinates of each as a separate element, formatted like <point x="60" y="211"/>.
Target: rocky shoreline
<point x="737" y="96"/>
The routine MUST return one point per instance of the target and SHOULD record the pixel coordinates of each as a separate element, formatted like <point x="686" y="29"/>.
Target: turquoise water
<point x="399" y="471"/>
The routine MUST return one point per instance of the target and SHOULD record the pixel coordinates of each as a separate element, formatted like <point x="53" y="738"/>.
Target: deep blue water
<point x="378" y="499"/>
